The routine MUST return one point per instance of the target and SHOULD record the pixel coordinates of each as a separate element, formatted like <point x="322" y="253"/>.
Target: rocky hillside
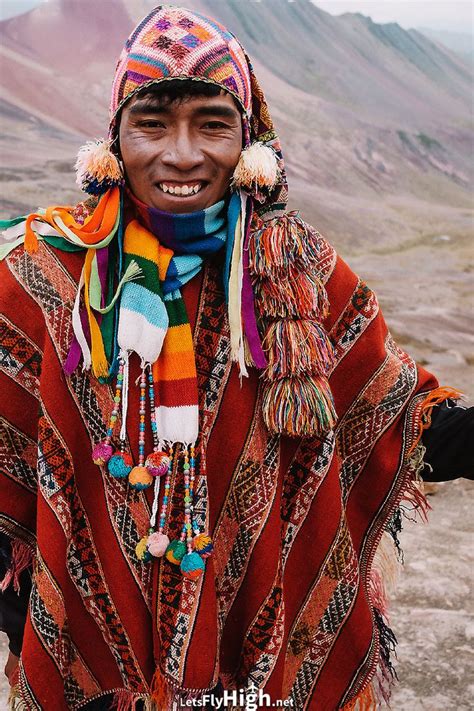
<point x="375" y="120"/>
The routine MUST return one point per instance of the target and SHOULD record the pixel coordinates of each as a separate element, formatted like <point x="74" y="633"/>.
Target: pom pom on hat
<point x="120" y="465"/>
<point x="192" y="566"/>
<point x="97" y="168"/>
<point x="140" y="478"/>
<point x="257" y="167"/>
<point x="102" y="453"/>
<point x="158" y="544"/>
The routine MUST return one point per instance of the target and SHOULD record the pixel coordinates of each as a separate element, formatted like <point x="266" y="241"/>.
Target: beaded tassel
<point x="140" y="478"/>
<point x="158" y="541"/>
<point x="103" y="451"/>
<point x="202" y="543"/>
<point x="157" y="462"/>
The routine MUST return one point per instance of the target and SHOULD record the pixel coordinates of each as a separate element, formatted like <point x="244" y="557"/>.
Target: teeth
<point x="181" y="189"/>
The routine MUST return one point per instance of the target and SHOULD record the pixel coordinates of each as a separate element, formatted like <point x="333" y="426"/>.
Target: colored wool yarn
<point x="157" y="544"/>
<point x="141" y="550"/>
<point x="140" y="478"/>
<point x="120" y="465"/>
<point x="175" y="552"/>
<point x="203" y="545"/>
<point x="102" y="453"/>
<point x="192" y="566"/>
<point x="97" y="168"/>
<point x="157" y="463"/>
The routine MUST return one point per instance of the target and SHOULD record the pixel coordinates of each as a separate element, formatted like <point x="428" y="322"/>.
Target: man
<point x="208" y="431"/>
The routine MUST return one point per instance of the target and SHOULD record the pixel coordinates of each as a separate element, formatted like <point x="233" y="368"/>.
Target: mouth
<point x="182" y="190"/>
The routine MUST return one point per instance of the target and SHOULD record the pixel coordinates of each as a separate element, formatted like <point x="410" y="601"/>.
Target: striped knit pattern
<point x="153" y="321"/>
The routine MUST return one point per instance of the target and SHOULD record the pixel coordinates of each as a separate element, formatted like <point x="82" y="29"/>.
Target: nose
<point x="182" y="151"/>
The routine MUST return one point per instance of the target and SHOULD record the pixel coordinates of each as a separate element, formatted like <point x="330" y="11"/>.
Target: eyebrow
<point x="149" y="108"/>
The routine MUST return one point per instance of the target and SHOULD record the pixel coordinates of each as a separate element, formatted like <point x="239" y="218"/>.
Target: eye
<point x="215" y="124"/>
<point x="151" y="123"/>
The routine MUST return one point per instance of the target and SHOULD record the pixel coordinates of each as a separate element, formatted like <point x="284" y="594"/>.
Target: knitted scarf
<point x="152" y="316"/>
<point x="159" y="253"/>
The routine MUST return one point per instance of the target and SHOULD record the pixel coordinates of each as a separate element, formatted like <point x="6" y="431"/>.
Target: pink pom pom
<point x="157" y="544"/>
<point x="102" y="453"/>
<point x="157" y="463"/>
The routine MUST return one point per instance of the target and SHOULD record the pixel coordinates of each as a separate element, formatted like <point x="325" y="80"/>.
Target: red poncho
<point x="290" y="601"/>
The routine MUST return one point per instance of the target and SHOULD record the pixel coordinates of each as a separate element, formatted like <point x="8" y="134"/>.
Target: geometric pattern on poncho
<point x="284" y="637"/>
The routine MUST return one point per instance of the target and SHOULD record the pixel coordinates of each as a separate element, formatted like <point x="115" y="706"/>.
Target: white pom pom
<point x="257" y="167"/>
<point x="97" y="168"/>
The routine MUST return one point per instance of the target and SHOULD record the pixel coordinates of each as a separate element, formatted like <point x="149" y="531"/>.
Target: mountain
<point x="462" y="43"/>
<point x="375" y="120"/>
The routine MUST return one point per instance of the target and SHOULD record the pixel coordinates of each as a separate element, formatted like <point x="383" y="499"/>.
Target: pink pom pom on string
<point x="157" y="544"/>
<point x="157" y="463"/>
<point x="102" y="453"/>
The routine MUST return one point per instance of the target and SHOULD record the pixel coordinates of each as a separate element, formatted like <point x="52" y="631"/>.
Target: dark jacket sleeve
<point x="13" y="605"/>
<point x="449" y="443"/>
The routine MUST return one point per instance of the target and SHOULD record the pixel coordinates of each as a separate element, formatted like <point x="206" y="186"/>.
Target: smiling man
<point x="180" y="155"/>
<point x="208" y="434"/>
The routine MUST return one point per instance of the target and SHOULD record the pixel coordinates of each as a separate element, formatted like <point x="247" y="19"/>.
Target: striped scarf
<point x="152" y="318"/>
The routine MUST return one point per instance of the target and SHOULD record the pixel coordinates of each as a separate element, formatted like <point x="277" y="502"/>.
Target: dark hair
<point x="168" y="91"/>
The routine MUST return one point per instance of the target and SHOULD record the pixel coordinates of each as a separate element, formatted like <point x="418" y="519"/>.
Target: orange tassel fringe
<point x="160" y="690"/>
<point x="435" y="397"/>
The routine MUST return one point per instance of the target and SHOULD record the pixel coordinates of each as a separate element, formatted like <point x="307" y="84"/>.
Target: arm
<point x="448" y="441"/>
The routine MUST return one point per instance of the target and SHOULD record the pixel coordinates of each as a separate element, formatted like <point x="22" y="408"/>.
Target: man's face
<point x="180" y="157"/>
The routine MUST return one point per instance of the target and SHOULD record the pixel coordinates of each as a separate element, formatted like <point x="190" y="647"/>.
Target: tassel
<point x="160" y="690"/>
<point x="21" y="559"/>
<point x="434" y="397"/>
<point x="125" y="700"/>
<point x="280" y="242"/>
<point x="299" y="407"/>
<point x="365" y="701"/>
<point x="31" y="238"/>
<point x="100" y="366"/>
<point x="257" y="167"/>
<point x="97" y="168"/>
<point x="132" y="272"/>
<point x="297" y="347"/>
<point x="297" y="295"/>
<point x="15" y="702"/>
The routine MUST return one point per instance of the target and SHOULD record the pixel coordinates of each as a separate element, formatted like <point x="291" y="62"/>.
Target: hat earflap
<point x="97" y="168"/>
<point x="257" y="168"/>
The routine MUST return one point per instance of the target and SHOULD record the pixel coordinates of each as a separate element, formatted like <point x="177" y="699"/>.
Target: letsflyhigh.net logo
<point x="251" y="699"/>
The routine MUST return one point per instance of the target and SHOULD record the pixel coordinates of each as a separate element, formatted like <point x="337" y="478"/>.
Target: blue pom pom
<point x="120" y="465"/>
<point x="192" y="566"/>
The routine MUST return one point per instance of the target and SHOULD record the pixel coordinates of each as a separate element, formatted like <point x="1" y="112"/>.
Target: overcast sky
<point x="453" y="15"/>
